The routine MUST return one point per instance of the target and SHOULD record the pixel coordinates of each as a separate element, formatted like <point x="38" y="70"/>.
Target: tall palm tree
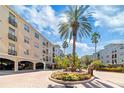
<point x="65" y="45"/>
<point x="76" y="25"/>
<point x="95" y="39"/>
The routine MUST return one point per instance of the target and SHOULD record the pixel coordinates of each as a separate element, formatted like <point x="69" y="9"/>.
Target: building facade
<point x="21" y="46"/>
<point x="57" y="51"/>
<point x="111" y="54"/>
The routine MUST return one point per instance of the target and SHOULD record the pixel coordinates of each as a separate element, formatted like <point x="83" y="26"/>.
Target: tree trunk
<point x="74" y="47"/>
<point x="95" y="52"/>
<point x="64" y="51"/>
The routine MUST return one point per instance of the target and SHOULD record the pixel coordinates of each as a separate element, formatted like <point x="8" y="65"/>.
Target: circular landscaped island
<point x="70" y="77"/>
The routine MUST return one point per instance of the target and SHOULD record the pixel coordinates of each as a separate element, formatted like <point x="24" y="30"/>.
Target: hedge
<point x="119" y="69"/>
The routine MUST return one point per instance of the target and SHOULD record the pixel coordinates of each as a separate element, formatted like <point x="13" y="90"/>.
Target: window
<point x="47" y="44"/>
<point x="107" y="56"/>
<point x="115" y="61"/>
<point x="46" y="51"/>
<point x="46" y="58"/>
<point x="12" y="20"/>
<point x="11" y="49"/>
<point x="36" y="45"/>
<point x="26" y="39"/>
<point x="112" y="61"/>
<point x="11" y="31"/>
<point x="11" y="34"/>
<point x="53" y="49"/>
<point x="26" y="52"/>
<point x="26" y="27"/>
<point x="115" y="55"/>
<point x="11" y="46"/>
<point x="122" y="47"/>
<point x="37" y="35"/>
<point x="107" y="61"/>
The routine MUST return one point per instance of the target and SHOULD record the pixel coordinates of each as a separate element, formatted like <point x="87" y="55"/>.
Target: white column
<point x="34" y="66"/>
<point x="52" y="66"/>
<point x="44" y="66"/>
<point x="16" y="66"/>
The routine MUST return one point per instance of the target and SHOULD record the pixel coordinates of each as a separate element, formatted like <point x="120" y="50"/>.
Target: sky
<point x="108" y="21"/>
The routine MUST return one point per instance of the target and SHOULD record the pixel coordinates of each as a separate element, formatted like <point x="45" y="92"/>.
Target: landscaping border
<point x="71" y="82"/>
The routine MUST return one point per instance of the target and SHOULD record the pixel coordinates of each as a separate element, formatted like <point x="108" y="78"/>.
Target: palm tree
<point x="76" y="25"/>
<point x="65" y="45"/>
<point x="95" y="39"/>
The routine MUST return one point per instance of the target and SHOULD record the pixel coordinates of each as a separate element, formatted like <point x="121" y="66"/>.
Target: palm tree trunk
<point x="74" y="47"/>
<point x="95" y="52"/>
<point x="64" y="51"/>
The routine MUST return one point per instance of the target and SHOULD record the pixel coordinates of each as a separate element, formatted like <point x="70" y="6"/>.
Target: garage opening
<point x="6" y="64"/>
<point x="39" y="66"/>
<point x="25" y="65"/>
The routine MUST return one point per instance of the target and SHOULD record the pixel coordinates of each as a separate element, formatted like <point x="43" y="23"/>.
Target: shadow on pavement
<point x="97" y="83"/>
<point x="94" y="83"/>
<point x="61" y="86"/>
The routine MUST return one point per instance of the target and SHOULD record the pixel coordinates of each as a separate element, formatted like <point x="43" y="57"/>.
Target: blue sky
<point x="109" y="23"/>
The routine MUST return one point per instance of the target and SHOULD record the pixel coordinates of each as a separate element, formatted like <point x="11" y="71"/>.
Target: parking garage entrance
<point x="39" y="66"/>
<point x="25" y="65"/>
<point x="6" y="64"/>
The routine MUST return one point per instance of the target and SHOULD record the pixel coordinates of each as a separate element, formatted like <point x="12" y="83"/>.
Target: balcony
<point x="12" y="37"/>
<point x="12" y="22"/>
<point x="12" y="52"/>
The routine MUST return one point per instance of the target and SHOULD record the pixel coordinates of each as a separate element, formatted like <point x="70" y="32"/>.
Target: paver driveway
<point x="39" y="79"/>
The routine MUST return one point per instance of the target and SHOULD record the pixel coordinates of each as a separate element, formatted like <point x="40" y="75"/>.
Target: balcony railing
<point x="12" y="52"/>
<point x="12" y="22"/>
<point x="12" y="37"/>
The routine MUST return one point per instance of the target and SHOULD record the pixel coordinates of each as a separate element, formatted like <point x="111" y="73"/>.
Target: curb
<point x="71" y="82"/>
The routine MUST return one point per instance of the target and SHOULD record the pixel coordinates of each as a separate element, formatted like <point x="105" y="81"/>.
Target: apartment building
<point x="57" y="51"/>
<point x="21" y="46"/>
<point x="111" y="54"/>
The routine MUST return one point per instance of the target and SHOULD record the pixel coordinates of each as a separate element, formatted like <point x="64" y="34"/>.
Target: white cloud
<point x="110" y="17"/>
<point x="43" y="16"/>
<point x="83" y="46"/>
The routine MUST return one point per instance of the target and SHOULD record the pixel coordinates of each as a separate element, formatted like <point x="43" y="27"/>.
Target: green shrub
<point x="70" y="76"/>
<point x="118" y="69"/>
<point x="84" y="66"/>
<point x="97" y="64"/>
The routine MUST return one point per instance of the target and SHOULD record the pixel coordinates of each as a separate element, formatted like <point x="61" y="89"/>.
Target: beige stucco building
<point x="21" y="45"/>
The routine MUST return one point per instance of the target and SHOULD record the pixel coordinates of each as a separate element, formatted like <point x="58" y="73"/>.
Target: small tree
<point x="58" y="61"/>
<point x="86" y="60"/>
<point x="65" y="45"/>
<point x="97" y="64"/>
<point x="62" y="63"/>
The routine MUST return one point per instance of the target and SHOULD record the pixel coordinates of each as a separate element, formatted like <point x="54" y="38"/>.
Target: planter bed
<point x="70" y="77"/>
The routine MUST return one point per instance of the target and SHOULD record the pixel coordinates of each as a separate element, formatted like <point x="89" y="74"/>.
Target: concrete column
<point x="44" y="66"/>
<point x="52" y="66"/>
<point x="34" y="66"/>
<point x="16" y="66"/>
